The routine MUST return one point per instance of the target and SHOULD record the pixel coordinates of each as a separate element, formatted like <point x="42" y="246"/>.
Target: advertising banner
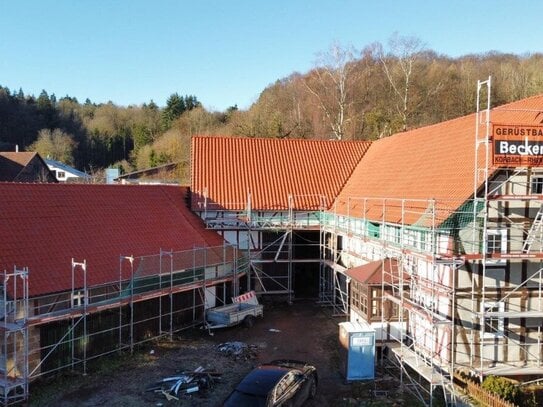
<point x="517" y="145"/>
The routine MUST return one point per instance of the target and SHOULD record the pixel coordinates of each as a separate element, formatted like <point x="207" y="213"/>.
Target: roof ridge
<point x="280" y="140"/>
<point x="346" y="180"/>
<point x="523" y="100"/>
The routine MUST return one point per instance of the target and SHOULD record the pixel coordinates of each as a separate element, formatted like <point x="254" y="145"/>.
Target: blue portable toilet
<point x="357" y="351"/>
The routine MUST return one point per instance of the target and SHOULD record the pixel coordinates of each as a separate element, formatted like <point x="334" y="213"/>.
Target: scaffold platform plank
<point x="410" y="358"/>
<point x="505" y="256"/>
<point x="123" y="301"/>
<point x="501" y="369"/>
<point x="512" y="314"/>
<point x="496" y="197"/>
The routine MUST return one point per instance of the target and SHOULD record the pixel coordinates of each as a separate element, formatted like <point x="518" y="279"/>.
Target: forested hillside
<point x="348" y="95"/>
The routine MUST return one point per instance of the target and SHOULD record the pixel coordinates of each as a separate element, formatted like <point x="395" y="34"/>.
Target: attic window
<point x="537" y="185"/>
<point x="61" y="174"/>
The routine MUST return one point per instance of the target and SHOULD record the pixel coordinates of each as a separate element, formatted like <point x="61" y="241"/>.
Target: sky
<point x="227" y="52"/>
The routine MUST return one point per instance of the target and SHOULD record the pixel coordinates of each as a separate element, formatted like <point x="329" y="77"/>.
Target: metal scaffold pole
<point x="480" y="194"/>
<point x="131" y="280"/>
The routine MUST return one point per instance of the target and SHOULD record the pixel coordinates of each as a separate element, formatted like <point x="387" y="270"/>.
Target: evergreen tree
<point x="175" y="106"/>
<point x="44" y="103"/>
<point x="152" y="105"/>
<point x="191" y="102"/>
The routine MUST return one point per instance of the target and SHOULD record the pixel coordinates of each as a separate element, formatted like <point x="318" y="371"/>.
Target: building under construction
<point x="433" y="237"/>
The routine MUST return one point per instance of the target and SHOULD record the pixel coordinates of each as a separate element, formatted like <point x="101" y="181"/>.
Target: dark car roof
<point x="262" y="379"/>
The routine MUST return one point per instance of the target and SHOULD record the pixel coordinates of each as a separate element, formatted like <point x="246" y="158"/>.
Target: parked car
<point x="287" y="383"/>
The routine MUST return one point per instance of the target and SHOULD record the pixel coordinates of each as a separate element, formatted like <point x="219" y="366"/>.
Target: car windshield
<point x="237" y="399"/>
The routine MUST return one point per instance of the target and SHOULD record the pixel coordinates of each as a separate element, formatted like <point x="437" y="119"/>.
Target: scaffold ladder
<point x="534" y="232"/>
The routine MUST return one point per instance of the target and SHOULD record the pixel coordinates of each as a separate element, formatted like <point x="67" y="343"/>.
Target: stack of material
<point x="238" y="350"/>
<point x="186" y="382"/>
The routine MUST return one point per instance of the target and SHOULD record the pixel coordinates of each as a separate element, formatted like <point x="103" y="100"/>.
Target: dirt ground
<point x="302" y="331"/>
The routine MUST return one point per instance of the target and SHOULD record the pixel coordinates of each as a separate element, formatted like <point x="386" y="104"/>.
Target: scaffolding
<point x="154" y="297"/>
<point x="509" y="315"/>
<point x="14" y="358"/>
<point x="420" y="283"/>
<point x="247" y="229"/>
<point x="468" y="285"/>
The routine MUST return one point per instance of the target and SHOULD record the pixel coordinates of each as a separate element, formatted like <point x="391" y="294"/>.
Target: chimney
<point x="16" y="148"/>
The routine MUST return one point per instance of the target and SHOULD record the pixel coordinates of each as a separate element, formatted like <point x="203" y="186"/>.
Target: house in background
<point x="65" y="173"/>
<point x="171" y="173"/>
<point x="25" y="166"/>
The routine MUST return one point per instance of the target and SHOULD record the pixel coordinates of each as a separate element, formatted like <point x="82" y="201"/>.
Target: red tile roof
<point x="433" y="162"/>
<point x="372" y="272"/>
<point x="44" y="226"/>
<point x="226" y="169"/>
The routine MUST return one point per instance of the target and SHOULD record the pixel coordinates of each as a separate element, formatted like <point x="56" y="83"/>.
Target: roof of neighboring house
<point x="66" y="168"/>
<point x="433" y="162"/>
<point x="19" y="157"/>
<point x="24" y="166"/>
<point x="372" y="272"/>
<point x="152" y="172"/>
<point x="44" y="226"/>
<point x="225" y="170"/>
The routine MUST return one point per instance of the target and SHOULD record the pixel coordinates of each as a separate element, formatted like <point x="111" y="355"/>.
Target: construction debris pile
<point x="186" y="383"/>
<point x="238" y="350"/>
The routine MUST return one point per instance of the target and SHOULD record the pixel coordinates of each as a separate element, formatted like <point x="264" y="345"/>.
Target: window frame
<point x="536" y="184"/>
<point x="502" y="233"/>
<point x="488" y="323"/>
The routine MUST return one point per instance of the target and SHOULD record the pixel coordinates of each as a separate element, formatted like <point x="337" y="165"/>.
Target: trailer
<point x="243" y="310"/>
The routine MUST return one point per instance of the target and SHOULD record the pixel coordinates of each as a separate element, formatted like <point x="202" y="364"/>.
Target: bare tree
<point x="329" y="83"/>
<point x="398" y="66"/>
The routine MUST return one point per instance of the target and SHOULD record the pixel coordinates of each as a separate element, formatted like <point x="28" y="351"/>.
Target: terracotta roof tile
<point x="433" y="162"/>
<point x="372" y="272"/>
<point x="44" y="226"/>
<point x="226" y="169"/>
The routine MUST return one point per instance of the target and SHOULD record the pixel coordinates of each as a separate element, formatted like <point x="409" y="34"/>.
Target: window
<point x="537" y="185"/>
<point x="61" y="174"/>
<point x="375" y="303"/>
<point x="392" y="234"/>
<point x="364" y="305"/>
<point x="355" y="299"/>
<point x="493" y="326"/>
<point x="496" y="243"/>
<point x="410" y="238"/>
